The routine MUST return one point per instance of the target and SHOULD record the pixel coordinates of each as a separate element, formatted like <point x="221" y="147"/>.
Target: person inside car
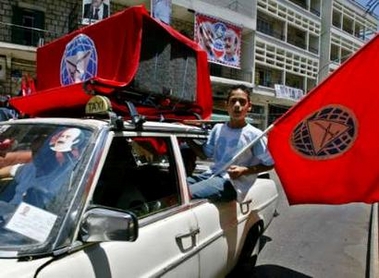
<point x="38" y="181"/>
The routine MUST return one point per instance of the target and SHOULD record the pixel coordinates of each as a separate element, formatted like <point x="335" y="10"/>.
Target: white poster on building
<point x="286" y="92"/>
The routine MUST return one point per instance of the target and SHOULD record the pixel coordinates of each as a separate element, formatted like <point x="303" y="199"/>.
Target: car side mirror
<point x="102" y="224"/>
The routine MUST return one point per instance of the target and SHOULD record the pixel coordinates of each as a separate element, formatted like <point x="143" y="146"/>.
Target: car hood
<point x="17" y="268"/>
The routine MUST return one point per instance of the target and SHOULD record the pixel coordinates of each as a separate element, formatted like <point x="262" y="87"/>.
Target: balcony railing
<point x="315" y="12"/>
<point x="313" y="49"/>
<point x="297" y="42"/>
<point x="270" y="33"/>
<point x="28" y="36"/>
<point x="303" y="5"/>
<point x="230" y="73"/>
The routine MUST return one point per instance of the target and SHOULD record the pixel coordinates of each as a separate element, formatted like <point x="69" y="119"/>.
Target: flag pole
<point x="238" y="154"/>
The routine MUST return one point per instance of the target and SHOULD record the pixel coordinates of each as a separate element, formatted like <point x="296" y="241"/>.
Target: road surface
<point x="317" y="241"/>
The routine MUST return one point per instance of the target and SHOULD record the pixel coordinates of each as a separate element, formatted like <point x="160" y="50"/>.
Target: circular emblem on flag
<point x="79" y="60"/>
<point x="327" y="133"/>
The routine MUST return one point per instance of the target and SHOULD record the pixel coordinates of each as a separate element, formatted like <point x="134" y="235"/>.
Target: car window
<point x="193" y="164"/>
<point x="39" y="164"/>
<point x="139" y="175"/>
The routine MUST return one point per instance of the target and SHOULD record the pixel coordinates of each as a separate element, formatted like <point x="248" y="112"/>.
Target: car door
<point x="167" y="226"/>
<point x="222" y="230"/>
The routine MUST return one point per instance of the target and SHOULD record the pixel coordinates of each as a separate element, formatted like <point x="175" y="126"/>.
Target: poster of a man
<point x="66" y="140"/>
<point x="206" y="37"/>
<point x="221" y="40"/>
<point x="94" y="10"/>
<point x="231" y="46"/>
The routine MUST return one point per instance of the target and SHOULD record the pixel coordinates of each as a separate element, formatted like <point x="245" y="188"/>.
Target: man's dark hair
<point x="242" y="87"/>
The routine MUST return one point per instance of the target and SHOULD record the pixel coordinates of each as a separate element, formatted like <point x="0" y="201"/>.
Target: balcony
<point x="12" y="45"/>
<point x="314" y="8"/>
<point x="300" y="3"/>
<point x="268" y="30"/>
<point x="270" y="27"/>
<point x="230" y="73"/>
<point x="296" y="37"/>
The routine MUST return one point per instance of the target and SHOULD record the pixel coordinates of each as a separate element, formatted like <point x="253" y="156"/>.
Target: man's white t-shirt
<point x="224" y="143"/>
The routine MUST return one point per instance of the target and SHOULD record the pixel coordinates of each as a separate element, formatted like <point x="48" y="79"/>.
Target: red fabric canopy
<point x="129" y="50"/>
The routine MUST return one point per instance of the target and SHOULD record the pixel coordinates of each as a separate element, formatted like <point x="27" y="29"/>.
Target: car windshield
<point x="36" y="166"/>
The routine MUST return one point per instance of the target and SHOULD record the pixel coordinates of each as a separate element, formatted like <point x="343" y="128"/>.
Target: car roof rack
<point x="122" y="96"/>
<point x="137" y="119"/>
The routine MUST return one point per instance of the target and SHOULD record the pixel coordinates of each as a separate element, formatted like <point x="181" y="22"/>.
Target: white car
<point x="112" y="201"/>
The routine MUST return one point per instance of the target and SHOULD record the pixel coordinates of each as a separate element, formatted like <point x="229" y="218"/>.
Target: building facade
<point x="287" y="46"/>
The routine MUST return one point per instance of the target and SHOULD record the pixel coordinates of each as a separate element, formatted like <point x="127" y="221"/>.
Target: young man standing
<point x="224" y="142"/>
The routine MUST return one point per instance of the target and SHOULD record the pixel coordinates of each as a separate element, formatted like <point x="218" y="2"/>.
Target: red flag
<point x="24" y="86"/>
<point x="326" y="147"/>
<point x="30" y="82"/>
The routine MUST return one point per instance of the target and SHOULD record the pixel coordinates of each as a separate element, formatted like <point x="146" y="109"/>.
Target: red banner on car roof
<point x="130" y="48"/>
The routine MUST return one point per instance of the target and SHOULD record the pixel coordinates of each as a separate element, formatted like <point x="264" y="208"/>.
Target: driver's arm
<point x="5" y="172"/>
<point x="8" y="171"/>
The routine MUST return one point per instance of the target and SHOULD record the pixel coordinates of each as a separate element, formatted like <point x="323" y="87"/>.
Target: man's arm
<point x="5" y="172"/>
<point x="12" y="158"/>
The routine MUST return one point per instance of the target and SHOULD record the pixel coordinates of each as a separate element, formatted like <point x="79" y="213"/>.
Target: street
<point x="316" y="241"/>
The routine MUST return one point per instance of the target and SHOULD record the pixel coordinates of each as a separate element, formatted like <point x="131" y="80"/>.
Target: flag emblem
<point x="79" y="61"/>
<point x="327" y="133"/>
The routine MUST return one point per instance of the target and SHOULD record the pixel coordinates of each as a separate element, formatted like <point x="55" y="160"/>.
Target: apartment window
<point x="264" y="26"/>
<point x="301" y="3"/>
<point x="294" y="81"/>
<point x="27" y="26"/>
<point x="263" y="77"/>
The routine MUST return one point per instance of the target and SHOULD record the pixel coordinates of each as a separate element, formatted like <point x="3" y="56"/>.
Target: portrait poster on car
<point x="95" y="10"/>
<point x="221" y="40"/>
<point x="161" y="9"/>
